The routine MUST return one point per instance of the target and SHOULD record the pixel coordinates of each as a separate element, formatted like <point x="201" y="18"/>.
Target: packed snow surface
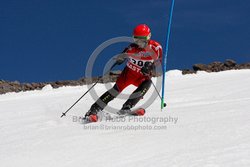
<point x="206" y="123"/>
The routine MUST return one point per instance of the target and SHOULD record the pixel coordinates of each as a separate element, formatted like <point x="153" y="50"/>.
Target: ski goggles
<point x="143" y="37"/>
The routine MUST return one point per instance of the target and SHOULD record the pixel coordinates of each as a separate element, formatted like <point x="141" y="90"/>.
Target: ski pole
<point x="64" y="113"/>
<point x="158" y="92"/>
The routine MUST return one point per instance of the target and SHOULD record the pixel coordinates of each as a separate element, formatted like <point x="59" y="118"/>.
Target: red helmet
<point x="142" y="31"/>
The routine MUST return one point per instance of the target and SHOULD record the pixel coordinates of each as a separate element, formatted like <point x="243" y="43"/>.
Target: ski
<point x="107" y="116"/>
<point x="134" y="112"/>
<point x="137" y="112"/>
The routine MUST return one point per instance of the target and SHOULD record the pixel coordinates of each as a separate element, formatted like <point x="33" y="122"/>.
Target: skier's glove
<point x="148" y="69"/>
<point x="119" y="61"/>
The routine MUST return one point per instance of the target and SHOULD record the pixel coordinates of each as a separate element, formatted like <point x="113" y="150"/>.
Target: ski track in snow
<point x="213" y="127"/>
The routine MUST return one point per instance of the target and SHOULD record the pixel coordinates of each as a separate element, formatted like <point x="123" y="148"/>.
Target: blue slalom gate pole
<point x="164" y="67"/>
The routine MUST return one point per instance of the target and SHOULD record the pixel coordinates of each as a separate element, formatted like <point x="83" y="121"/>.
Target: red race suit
<point x="136" y="59"/>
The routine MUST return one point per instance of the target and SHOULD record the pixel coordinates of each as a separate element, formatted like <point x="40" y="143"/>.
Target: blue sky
<point x="52" y="39"/>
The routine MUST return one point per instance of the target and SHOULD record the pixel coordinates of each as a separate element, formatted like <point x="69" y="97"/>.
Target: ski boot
<point x="91" y="115"/>
<point x="126" y="110"/>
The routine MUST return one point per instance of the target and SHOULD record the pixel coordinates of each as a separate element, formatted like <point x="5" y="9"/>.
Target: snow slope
<point x="207" y="124"/>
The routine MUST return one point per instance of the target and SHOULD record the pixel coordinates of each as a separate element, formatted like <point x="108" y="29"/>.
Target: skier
<point x="142" y="58"/>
